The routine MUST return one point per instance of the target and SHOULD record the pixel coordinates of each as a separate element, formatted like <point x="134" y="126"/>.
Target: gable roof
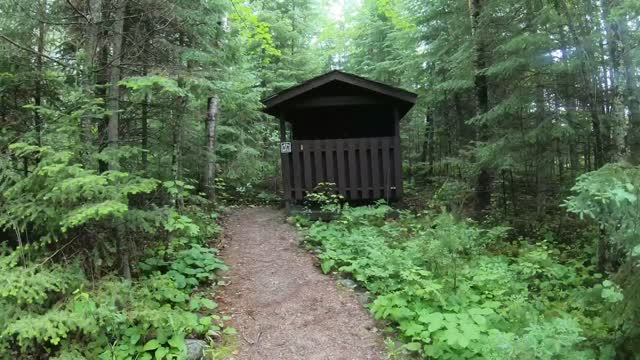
<point x="395" y="93"/>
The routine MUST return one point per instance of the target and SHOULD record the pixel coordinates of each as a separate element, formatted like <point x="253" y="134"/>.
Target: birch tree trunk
<point x="210" y="164"/>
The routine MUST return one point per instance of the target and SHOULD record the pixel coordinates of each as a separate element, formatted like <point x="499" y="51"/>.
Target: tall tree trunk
<point x="210" y="165"/>
<point x="427" y="155"/>
<point x="102" y="82"/>
<point x="114" y="116"/>
<point x="567" y="93"/>
<point x="176" y="159"/>
<point x="480" y="62"/>
<point x="91" y="45"/>
<point x="616" y="97"/>
<point x="631" y="94"/>
<point x="484" y="180"/>
<point x="114" y="78"/>
<point x="144" y="125"/>
<point x="42" y="28"/>
<point x="541" y="158"/>
<point x="587" y="71"/>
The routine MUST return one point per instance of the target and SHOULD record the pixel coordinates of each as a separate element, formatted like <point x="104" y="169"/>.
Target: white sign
<point x="285" y="147"/>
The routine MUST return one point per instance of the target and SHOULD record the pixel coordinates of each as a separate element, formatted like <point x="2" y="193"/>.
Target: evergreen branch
<point x="78" y="11"/>
<point x="5" y="38"/>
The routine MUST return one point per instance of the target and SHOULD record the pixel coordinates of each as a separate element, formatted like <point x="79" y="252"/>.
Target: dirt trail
<point x="281" y="304"/>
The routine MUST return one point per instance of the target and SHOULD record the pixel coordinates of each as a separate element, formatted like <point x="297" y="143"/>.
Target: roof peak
<point x="339" y="75"/>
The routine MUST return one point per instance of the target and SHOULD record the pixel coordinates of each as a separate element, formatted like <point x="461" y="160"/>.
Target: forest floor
<point x="282" y="306"/>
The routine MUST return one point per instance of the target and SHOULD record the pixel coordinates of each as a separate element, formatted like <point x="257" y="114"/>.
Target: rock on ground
<point x="281" y="304"/>
<point x="195" y="349"/>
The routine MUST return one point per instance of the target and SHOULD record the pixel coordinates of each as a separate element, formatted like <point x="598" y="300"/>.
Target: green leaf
<point x="134" y="338"/>
<point x="413" y="346"/>
<point x="161" y="352"/>
<point x="435" y="321"/>
<point x="411" y="328"/>
<point x="470" y="330"/>
<point x="176" y="341"/>
<point x="452" y="336"/>
<point x="229" y="331"/>
<point x="151" y="345"/>
<point x="327" y="265"/>
<point x="209" y="304"/>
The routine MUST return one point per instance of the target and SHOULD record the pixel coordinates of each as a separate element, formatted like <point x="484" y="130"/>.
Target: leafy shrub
<point x="451" y="195"/>
<point x="324" y="196"/>
<point x="610" y="196"/>
<point x="116" y="320"/>
<point x="60" y="195"/>
<point x="454" y="290"/>
<point x="49" y="308"/>
<point x="187" y="268"/>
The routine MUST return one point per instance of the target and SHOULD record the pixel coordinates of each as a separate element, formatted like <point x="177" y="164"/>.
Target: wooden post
<point x="284" y="168"/>
<point x="397" y="154"/>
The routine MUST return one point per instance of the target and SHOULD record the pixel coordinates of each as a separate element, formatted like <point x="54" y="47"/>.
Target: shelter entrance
<point x="342" y="129"/>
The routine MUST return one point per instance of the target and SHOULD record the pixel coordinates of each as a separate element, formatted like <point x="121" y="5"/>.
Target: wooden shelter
<point x="343" y="129"/>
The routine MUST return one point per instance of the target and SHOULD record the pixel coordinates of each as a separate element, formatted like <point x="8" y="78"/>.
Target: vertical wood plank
<point x="365" y="182"/>
<point x="385" y="167"/>
<point x="341" y="179"/>
<point x="297" y="169"/>
<point x="397" y="155"/>
<point x="291" y="178"/>
<point x="306" y="159"/>
<point x="397" y="168"/>
<point x="330" y="153"/>
<point x="318" y="149"/>
<point x="353" y="170"/>
<point x="375" y="168"/>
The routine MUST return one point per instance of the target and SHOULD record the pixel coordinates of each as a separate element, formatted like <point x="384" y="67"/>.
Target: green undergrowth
<point x="454" y="290"/>
<point x="59" y="310"/>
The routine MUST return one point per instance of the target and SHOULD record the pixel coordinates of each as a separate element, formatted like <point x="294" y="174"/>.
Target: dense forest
<point x="128" y="127"/>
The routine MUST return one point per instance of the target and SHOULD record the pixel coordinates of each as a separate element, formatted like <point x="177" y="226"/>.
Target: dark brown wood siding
<point x="362" y="168"/>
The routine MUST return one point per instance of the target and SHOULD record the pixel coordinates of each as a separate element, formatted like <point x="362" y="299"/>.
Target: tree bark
<point x="616" y="97"/>
<point x="114" y="116"/>
<point x="91" y="45"/>
<point x="428" y="146"/>
<point x="176" y="163"/>
<point x="484" y="180"/>
<point x="631" y="94"/>
<point x="210" y="130"/>
<point x="480" y="79"/>
<point x="586" y="71"/>
<point x="541" y="165"/>
<point x="114" y="88"/>
<point x="144" y="126"/>
<point x="42" y="28"/>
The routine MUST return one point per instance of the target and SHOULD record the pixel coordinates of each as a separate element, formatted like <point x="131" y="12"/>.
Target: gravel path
<point x="281" y="304"/>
